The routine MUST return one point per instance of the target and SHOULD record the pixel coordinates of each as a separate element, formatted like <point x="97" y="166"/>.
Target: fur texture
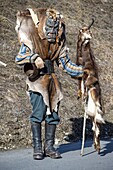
<point x="89" y="88"/>
<point x="30" y="26"/>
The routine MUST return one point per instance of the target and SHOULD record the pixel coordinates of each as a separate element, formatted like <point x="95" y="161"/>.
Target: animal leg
<point x="79" y="93"/>
<point x="96" y="136"/>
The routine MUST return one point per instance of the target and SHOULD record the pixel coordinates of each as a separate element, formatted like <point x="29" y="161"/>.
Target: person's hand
<point x="39" y="63"/>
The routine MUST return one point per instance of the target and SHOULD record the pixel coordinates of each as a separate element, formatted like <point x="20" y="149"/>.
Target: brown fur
<point x="48" y="85"/>
<point x="90" y="80"/>
<point x="40" y="44"/>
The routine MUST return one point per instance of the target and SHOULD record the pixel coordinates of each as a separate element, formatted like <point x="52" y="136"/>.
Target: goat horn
<point x="91" y="23"/>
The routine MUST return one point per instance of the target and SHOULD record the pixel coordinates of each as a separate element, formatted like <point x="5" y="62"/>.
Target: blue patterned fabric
<point x="23" y="56"/>
<point x="71" y="68"/>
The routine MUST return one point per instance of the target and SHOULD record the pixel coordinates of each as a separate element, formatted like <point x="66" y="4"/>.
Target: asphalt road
<point x="71" y="159"/>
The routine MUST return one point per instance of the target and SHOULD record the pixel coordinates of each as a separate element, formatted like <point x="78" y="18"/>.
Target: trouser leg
<point x="37" y="116"/>
<point x="38" y="107"/>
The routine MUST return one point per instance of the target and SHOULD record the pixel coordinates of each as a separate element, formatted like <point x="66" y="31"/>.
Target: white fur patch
<point x="24" y="39"/>
<point x="34" y="17"/>
<point x="99" y="118"/>
<point x="87" y="37"/>
<point x="17" y="25"/>
<point x="93" y="127"/>
<point x="86" y="41"/>
<point x="48" y="111"/>
<point x="17" y="28"/>
<point x="96" y="141"/>
<point x="93" y="109"/>
<point x="97" y="131"/>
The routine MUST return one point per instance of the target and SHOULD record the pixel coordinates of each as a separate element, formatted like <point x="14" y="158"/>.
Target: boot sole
<point x="51" y="156"/>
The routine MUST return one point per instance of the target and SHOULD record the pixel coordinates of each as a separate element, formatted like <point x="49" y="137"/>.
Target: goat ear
<point x="90" y="80"/>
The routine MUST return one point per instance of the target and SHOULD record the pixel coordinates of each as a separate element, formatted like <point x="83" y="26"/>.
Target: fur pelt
<point x="49" y="87"/>
<point x="89" y="87"/>
<point x="31" y="30"/>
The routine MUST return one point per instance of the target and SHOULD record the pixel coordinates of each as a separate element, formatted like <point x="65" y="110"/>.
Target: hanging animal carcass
<point x="89" y="87"/>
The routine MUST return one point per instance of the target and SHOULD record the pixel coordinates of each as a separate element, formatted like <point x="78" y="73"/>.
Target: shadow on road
<point x="68" y="147"/>
<point x="108" y="148"/>
<point x="76" y="135"/>
<point x="73" y="146"/>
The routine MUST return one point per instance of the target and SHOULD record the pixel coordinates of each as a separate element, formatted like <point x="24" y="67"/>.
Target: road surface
<point x="71" y="160"/>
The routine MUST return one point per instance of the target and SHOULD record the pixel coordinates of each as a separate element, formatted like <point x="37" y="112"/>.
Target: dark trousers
<point x="39" y="110"/>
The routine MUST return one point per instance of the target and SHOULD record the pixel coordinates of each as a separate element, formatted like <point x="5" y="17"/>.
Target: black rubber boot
<point x="37" y="143"/>
<point x="49" y="150"/>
